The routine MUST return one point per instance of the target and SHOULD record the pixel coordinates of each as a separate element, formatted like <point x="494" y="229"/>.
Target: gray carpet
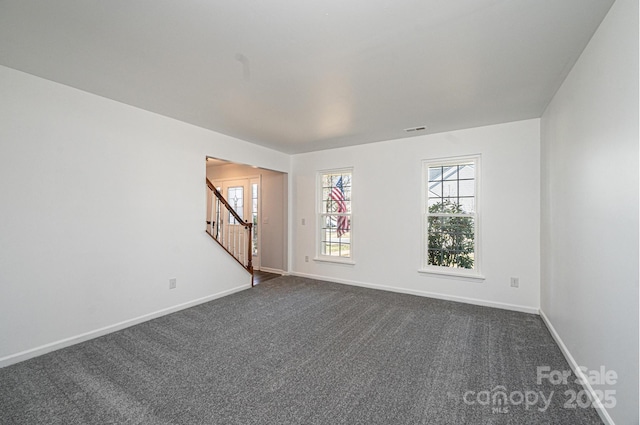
<point x="298" y="351"/>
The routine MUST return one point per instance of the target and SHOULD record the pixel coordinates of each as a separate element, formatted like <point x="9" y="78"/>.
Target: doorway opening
<point x="258" y="196"/>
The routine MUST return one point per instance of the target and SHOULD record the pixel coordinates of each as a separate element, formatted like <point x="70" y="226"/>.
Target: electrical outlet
<point x="304" y="222"/>
<point x="515" y="282"/>
<point x="172" y="283"/>
<point x="306" y="258"/>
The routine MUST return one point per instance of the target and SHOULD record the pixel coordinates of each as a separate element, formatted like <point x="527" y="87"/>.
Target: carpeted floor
<point x="298" y="351"/>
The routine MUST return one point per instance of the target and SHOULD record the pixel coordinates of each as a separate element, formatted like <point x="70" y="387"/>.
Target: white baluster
<point x="212" y="225"/>
<point x="241" y="244"/>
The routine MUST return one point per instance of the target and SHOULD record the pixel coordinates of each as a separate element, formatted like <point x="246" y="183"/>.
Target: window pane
<point x="327" y="222"/>
<point x="451" y="242"/>
<point x="467" y="171"/>
<point x="339" y="225"/>
<point x="254" y="218"/>
<point x="467" y="205"/>
<point x="435" y="205"/>
<point x="450" y="172"/>
<point x="329" y="206"/>
<point x="336" y="187"/>
<point x="450" y="189"/>
<point x="325" y="193"/>
<point x="345" y="250"/>
<point x="435" y="189"/>
<point x="336" y="249"/>
<point x="435" y="174"/>
<point x="467" y="187"/>
<point x="235" y="198"/>
<point x="446" y="205"/>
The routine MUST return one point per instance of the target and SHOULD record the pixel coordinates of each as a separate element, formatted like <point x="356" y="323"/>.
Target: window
<point x="334" y="216"/>
<point x="451" y="216"/>
<point x="254" y="217"/>
<point x="235" y="197"/>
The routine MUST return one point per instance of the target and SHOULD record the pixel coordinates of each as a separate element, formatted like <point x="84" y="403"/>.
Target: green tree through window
<point x="451" y="216"/>
<point x="451" y="238"/>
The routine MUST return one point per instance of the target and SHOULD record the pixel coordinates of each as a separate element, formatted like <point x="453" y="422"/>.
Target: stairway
<point x="225" y="226"/>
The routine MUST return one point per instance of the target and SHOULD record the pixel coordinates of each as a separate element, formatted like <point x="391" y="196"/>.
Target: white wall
<point x="274" y="222"/>
<point x="102" y="204"/>
<point x="589" y="173"/>
<point x="387" y="213"/>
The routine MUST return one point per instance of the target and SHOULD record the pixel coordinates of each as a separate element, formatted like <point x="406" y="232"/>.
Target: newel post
<point x="250" y="253"/>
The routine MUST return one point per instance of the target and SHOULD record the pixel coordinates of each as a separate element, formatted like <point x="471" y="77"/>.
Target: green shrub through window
<point x="450" y="212"/>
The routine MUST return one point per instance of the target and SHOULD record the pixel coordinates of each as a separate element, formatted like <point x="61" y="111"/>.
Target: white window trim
<point x="318" y="212"/>
<point x="476" y="273"/>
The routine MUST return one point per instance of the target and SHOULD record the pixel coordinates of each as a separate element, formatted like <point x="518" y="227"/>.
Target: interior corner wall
<point x="102" y="204"/>
<point x="589" y="132"/>
<point x="387" y="214"/>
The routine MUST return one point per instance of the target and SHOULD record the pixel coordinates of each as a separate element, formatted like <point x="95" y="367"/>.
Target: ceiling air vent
<point x="412" y="129"/>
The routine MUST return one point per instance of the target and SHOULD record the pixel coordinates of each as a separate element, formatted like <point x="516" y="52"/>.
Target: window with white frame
<point x="334" y="215"/>
<point x="254" y="218"/>
<point x="451" y="216"/>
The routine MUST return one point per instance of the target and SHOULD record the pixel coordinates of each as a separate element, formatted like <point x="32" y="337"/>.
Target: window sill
<point x="338" y="260"/>
<point x="453" y="274"/>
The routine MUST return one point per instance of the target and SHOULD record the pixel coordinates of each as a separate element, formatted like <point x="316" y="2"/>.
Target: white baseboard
<point x="474" y="301"/>
<point x="597" y="404"/>
<point x="270" y="270"/>
<point x="53" y="346"/>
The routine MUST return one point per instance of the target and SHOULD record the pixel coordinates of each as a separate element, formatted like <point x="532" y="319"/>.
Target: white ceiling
<point x="304" y="75"/>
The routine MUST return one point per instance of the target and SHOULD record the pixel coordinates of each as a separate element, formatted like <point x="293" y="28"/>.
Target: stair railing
<point x="226" y="227"/>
